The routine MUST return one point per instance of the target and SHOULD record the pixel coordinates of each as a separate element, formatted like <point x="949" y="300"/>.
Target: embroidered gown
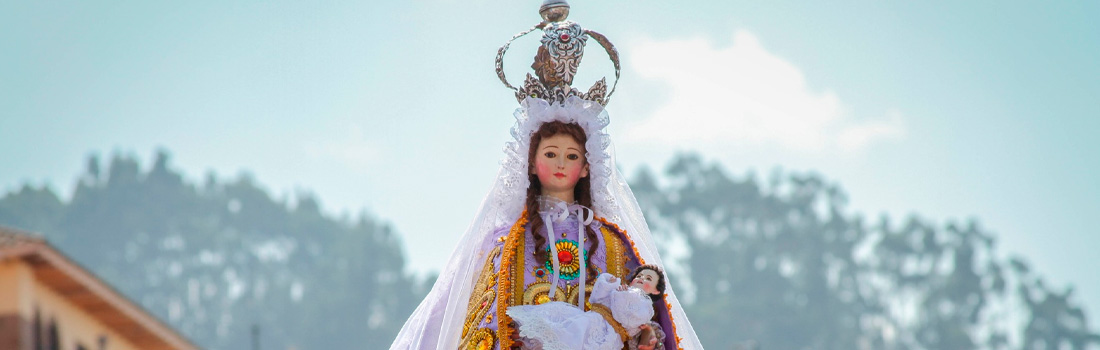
<point x="510" y="276"/>
<point x="560" y="326"/>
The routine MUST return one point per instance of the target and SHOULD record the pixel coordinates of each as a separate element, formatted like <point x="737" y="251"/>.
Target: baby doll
<point x="619" y="313"/>
<point x="651" y="279"/>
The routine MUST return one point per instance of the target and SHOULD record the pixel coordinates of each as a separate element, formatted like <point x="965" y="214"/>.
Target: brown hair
<point x="582" y="192"/>
<point x="660" y="278"/>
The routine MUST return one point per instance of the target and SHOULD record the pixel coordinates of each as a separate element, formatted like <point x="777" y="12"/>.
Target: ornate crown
<point x="558" y="57"/>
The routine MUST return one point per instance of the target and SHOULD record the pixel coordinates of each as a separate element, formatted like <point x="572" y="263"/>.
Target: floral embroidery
<point x="540" y="273"/>
<point x="481" y="340"/>
<point x="569" y="258"/>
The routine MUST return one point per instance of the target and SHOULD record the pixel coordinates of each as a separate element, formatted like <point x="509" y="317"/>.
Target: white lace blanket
<point x="562" y="326"/>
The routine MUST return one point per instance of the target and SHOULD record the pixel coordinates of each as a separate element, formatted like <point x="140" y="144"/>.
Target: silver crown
<point x="558" y="57"/>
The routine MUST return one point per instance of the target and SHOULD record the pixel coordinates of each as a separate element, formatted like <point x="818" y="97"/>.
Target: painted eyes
<point x="569" y="157"/>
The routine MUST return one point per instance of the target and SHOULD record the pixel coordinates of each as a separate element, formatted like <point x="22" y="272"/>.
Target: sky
<point x="948" y="110"/>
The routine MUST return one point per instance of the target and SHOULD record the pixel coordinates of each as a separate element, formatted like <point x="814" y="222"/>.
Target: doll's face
<point x="646" y="280"/>
<point x="559" y="163"/>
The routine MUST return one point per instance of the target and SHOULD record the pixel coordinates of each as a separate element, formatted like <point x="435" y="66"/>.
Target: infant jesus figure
<point x="620" y="315"/>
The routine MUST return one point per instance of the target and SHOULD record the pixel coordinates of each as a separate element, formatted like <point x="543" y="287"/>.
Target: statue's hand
<point x="647" y="332"/>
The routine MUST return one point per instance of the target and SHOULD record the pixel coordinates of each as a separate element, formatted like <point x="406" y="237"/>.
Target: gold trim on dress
<point x="616" y="257"/>
<point x="505" y="278"/>
<point x="517" y="267"/>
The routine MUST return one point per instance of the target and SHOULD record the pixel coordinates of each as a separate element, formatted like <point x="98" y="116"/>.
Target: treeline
<point x="783" y="265"/>
<point x="774" y="265"/>
<point x="215" y="260"/>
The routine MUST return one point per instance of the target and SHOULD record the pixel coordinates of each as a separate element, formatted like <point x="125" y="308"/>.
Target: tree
<point x="216" y="259"/>
<point x="784" y="266"/>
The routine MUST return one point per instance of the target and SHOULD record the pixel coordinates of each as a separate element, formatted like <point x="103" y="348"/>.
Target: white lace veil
<point x="437" y="322"/>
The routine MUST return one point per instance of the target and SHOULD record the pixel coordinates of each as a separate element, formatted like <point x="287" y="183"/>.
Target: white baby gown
<point x="561" y="326"/>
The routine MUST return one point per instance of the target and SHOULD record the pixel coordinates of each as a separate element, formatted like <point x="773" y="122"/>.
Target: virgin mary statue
<point x="558" y="215"/>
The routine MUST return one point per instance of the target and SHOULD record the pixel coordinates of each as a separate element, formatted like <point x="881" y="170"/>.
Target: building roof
<point x="88" y="292"/>
<point x="10" y="237"/>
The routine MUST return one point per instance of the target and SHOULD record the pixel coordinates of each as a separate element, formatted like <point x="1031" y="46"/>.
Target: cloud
<point x="744" y="95"/>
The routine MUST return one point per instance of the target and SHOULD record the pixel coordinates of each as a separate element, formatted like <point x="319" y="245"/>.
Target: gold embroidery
<point x="616" y="257"/>
<point x="481" y="298"/>
<point x="574" y="294"/>
<point x="624" y="235"/>
<point x="482" y="339"/>
<point x="539" y="293"/>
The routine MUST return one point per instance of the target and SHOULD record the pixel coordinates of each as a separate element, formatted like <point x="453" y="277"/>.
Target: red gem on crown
<point x="564" y="37"/>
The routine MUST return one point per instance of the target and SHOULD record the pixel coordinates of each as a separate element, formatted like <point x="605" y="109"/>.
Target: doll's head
<point x="557" y="163"/>
<point x="649" y="278"/>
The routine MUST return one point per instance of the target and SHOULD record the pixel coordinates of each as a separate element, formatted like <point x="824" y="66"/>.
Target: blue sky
<point x="952" y="110"/>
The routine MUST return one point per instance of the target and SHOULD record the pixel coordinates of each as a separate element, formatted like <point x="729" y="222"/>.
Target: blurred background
<point x="888" y="175"/>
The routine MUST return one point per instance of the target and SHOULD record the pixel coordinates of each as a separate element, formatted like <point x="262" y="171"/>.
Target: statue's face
<point x="646" y="280"/>
<point x="559" y="163"/>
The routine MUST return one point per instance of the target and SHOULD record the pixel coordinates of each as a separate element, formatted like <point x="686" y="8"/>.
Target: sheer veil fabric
<point x="437" y="321"/>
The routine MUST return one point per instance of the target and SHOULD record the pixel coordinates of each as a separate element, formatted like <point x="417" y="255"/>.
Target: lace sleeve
<point x="602" y="289"/>
<point x="632" y="308"/>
